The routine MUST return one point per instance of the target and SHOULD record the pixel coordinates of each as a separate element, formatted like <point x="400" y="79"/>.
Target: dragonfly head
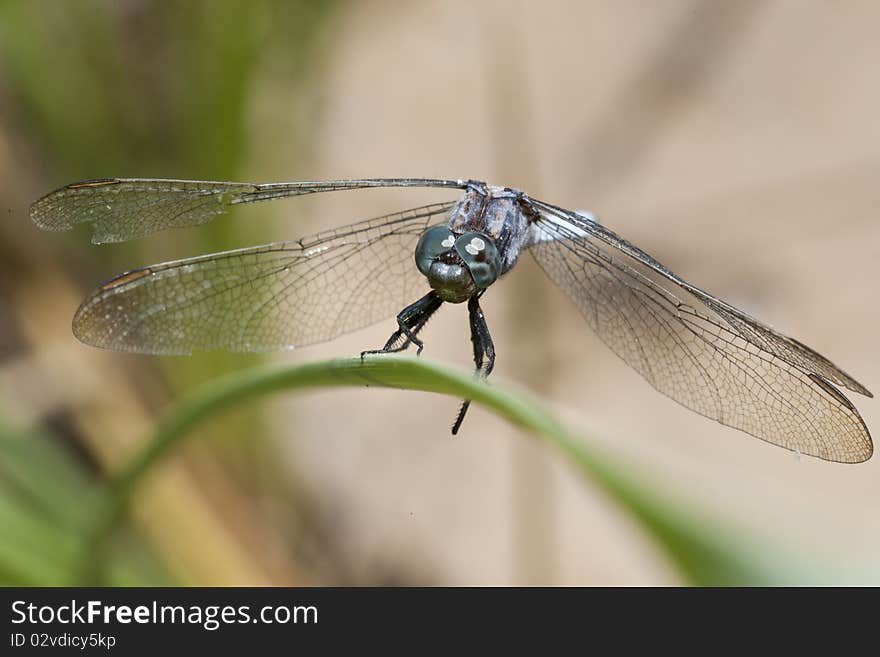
<point x="457" y="266"/>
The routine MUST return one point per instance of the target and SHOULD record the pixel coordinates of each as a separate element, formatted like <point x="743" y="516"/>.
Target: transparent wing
<point x="127" y="208"/>
<point x="263" y="298"/>
<point x="697" y="349"/>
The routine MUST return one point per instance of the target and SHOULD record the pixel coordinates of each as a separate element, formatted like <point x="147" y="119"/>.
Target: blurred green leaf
<point x="148" y="88"/>
<point x="48" y="506"/>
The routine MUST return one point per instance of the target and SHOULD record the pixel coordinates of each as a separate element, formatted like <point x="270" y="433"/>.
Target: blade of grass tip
<point x="702" y="554"/>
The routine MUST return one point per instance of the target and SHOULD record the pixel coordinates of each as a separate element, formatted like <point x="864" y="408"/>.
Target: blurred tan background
<point x="737" y="142"/>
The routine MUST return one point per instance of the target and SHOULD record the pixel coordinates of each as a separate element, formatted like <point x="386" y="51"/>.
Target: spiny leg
<point x="484" y="351"/>
<point x="410" y="321"/>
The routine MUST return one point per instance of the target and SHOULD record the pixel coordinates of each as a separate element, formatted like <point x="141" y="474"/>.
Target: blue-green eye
<point x="433" y="242"/>
<point x="480" y="254"/>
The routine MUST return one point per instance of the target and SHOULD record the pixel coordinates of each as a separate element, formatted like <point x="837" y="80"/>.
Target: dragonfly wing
<point x="263" y="298"/>
<point x="697" y="349"/>
<point x="122" y="209"/>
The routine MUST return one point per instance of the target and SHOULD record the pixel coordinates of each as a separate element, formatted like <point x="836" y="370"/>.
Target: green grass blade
<point x="702" y="550"/>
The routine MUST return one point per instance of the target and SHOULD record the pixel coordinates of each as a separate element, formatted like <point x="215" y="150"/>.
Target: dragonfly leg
<point x="410" y="321"/>
<point x="484" y="352"/>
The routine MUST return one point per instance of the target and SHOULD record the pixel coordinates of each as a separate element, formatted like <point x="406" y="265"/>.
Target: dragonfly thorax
<point x="482" y="239"/>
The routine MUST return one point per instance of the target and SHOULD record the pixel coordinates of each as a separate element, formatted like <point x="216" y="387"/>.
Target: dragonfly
<point x="688" y="344"/>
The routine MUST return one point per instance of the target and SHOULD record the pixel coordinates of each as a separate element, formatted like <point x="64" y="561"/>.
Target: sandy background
<point x="736" y="142"/>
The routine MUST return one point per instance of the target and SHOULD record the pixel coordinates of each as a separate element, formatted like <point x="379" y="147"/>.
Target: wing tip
<point x="860" y="456"/>
<point x="42" y="216"/>
<point x="852" y="385"/>
<point x="41" y="210"/>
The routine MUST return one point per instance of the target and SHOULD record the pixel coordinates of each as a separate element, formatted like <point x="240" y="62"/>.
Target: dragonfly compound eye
<point x="433" y="242"/>
<point x="480" y="254"/>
